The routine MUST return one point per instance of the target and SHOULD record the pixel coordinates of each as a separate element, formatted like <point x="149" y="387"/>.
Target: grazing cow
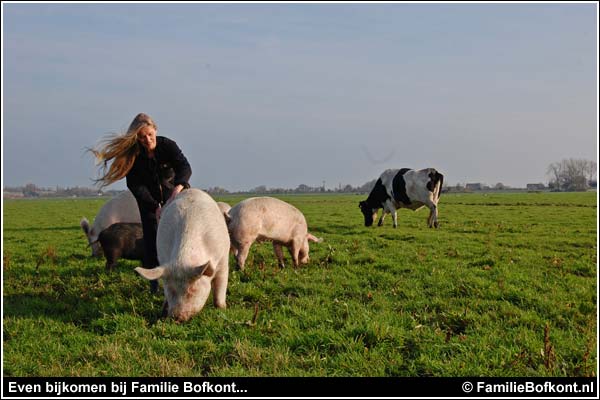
<point x="268" y="219"/>
<point x="193" y="252"/>
<point x="122" y="208"/>
<point x="404" y="188"/>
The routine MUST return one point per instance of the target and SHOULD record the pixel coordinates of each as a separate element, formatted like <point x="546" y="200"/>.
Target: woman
<point x="155" y="170"/>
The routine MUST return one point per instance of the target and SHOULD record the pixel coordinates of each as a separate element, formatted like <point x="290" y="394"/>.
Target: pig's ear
<point x="151" y="273"/>
<point x="197" y="272"/>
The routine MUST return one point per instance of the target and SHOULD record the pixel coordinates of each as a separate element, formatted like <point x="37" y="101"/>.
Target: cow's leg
<point x="390" y="208"/>
<point x="382" y="217"/>
<point x="279" y="254"/>
<point x="435" y="217"/>
<point x="432" y="220"/>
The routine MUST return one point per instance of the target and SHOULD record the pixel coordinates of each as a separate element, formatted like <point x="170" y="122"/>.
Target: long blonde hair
<point x="121" y="149"/>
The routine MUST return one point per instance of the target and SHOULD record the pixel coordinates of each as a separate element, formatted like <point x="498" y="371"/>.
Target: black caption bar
<point x="299" y="387"/>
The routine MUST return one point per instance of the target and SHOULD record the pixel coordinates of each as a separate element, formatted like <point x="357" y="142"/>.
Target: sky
<point x="296" y="93"/>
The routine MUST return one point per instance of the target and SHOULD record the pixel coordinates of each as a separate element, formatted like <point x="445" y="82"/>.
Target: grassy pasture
<point x="506" y="287"/>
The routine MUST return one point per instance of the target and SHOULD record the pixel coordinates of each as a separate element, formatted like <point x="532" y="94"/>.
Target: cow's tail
<point x="441" y="180"/>
<point x="436" y="177"/>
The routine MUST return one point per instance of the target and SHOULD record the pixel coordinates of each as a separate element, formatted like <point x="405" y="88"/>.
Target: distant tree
<point x="73" y="192"/>
<point x="571" y="174"/>
<point x="278" y="190"/>
<point x="217" y="190"/>
<point x="302" y="188"/>
<point x="555" y="172"/>
<point x="591" y="173"/>
<point x="31" y="190"/>
<point x="348" y="189"/>
<point x="259" y="189"/>
<point x="367" y="187"/>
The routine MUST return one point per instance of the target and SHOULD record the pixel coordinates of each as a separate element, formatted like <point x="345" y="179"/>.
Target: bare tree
<point x="555" y="171"/>
<point x="571" y="174"/>
<point x="591" y="171"/>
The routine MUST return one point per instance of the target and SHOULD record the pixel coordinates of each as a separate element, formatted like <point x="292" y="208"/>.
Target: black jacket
<point x="151" y="180"/>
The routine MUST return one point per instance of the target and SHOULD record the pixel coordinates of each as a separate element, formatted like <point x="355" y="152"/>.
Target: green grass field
<point x="506" y="287"/>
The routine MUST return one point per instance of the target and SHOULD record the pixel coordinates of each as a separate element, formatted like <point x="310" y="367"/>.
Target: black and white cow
<point x="404" y="188"/>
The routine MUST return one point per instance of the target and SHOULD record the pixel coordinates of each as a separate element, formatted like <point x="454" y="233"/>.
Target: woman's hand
<point x="176" y="190"/>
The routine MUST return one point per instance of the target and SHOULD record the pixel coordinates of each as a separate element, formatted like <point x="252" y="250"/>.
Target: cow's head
<point x="369" y="212"/>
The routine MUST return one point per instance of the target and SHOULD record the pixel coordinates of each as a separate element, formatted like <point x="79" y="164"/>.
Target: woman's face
<point x="147" y="137"/>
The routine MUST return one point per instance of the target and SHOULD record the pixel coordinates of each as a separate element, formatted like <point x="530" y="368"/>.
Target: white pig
<point x="193" y="253"/>
<point x="224" y="207"/>
<point x="121" y="208"/>
<point x="268" y="219"/>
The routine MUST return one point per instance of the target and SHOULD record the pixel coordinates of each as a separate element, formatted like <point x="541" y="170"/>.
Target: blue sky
<point x="288" y="94"/>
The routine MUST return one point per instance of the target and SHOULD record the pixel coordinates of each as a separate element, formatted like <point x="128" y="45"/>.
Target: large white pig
<point x="268" y="219"/>
<point x="193" y="253"/>
<point x="121" y="208"/>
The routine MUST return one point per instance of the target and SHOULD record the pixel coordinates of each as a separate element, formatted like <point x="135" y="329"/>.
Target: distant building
<point x="536" y="186"/>
<point x="12" y="195"/>
<point x="474" y="186"/>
